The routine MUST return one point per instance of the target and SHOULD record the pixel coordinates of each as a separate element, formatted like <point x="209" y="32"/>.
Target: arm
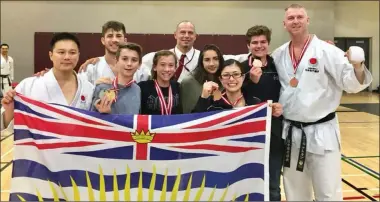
<point x="352" y="78"/>
<point x="89" y="74"/>
<point x="202" y="105"/>
<point x="95" y="98"/>
<point x="142" y="74"/>
<point x="7" y="109"/>
<point x="12" y="70"/>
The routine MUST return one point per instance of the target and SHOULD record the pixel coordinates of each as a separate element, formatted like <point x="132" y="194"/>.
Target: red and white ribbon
<point x="166" y="108"/>
<point x="229" y="103"/>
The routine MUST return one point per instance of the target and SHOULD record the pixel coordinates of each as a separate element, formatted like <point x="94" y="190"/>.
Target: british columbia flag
<point x="68" y="154"/>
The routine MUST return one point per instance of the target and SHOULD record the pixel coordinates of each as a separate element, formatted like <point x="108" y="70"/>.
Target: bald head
<point x="185" y="35"/>
<point x="185" y="23"/>
<point x="292" y="7"/>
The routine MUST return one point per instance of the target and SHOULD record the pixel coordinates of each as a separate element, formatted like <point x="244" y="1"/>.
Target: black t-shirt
<point x="268" y="88"/>
<point x="209" y="104"/>
<point x="150" y="103"/>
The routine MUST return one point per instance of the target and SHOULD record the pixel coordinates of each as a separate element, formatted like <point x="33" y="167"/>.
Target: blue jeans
<point x="276" y="154"/>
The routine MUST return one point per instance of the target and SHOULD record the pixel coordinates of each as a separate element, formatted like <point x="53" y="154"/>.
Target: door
<point x="340" y="43"/>
<point x="345" y="42"/>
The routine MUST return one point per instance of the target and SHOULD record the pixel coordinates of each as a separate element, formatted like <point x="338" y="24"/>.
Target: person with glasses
<point x="263" y="82"/>
<point x="231" y="77"/>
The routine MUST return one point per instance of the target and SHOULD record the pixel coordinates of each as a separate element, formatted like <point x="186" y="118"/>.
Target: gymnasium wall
<point x="20" y="20"/>
<point x="360" y="19"/>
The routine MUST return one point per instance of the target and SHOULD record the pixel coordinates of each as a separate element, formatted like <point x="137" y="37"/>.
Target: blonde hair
<point x="294" y="6"/>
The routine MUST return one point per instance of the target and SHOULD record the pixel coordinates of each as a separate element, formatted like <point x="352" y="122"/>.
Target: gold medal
<point x="293" y="82"/>
<point x="101" y="94"/>
<point x="217" y="94"/>
<point x="111" y="94"/>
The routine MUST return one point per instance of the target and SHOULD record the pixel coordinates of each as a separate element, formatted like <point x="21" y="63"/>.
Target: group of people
<point x="304" y="78"/>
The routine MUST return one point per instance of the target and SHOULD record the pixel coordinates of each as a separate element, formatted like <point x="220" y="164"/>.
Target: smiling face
<point x="64" y="55"/>
<point x="232" y="78"/>
<point x="259" y="46"/>
<point x="128" y="62"/>
<point x="210" y="61"/>
<point x="185" y="35"/>
<point x="296" y="21"/>
<point x="165" y="67"/>
<point x="112" y="39"/>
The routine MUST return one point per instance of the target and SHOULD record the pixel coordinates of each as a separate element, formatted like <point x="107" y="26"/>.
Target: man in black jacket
<point x="262" y="82"/>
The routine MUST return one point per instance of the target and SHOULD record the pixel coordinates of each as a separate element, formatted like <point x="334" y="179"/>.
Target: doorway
<point x="345" y="42"/>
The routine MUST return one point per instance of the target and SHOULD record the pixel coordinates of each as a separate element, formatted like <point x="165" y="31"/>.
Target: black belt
<point x="5" y="77"/>
<point x="288" y="141"/>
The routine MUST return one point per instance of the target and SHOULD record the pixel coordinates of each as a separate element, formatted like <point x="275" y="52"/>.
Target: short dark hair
<point x="61" y="37"/>
<point x="130" y="46"/>
<point x="114" y="25"/>
<point x="157" y="57"/>
<point x="228" y="63"/>
<point x="4" y="44"/>
<point x="200" y="74"/>
<point x="258" y="30"/>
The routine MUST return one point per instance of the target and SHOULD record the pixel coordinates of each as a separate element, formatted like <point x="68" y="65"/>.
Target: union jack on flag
<point x="68" y="154"/>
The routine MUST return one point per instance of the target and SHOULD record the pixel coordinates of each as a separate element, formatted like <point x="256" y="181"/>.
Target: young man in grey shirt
<point x="123" y="96"/>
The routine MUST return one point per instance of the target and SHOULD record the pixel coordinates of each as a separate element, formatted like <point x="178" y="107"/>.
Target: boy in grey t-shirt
<point x="123" y="96"/>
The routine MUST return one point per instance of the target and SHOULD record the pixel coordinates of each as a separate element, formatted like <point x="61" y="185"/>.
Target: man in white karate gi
<point x="313" y="75"/>
<point x="60" y="85"/>
<point x="7" y="69"/>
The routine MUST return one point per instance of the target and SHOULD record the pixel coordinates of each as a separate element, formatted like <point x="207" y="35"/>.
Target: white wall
<point x="360" y="19"/>
<point x="20" y="20"/>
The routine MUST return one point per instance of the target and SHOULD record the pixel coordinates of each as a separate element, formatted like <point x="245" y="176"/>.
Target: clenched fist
<point x="208" y="88"/>
<point x="255" y="74"/>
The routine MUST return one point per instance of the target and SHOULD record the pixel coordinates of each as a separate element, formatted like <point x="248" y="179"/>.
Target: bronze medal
<point x="217" y="94"/>
<point x="257" y="63"/>
<point x="293" y="82"/>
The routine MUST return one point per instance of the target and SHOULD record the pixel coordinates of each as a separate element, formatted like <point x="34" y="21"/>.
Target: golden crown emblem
<point x="142" y="137"/>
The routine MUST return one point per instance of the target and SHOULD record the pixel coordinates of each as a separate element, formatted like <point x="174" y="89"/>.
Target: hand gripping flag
<point x="67" y="154"/>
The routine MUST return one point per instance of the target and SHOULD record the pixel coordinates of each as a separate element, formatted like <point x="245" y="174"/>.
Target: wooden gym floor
<point x="359" y="125"/>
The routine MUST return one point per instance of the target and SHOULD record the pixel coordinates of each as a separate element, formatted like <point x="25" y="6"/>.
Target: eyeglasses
<point x="234" y="75"/>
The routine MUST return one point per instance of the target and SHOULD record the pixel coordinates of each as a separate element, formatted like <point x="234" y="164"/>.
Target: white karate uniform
<point x="7" y="71"/>
<point x="47" y="89"/>
<point x="317" y="95"/>
<point x="102" y="69"/>
<point x="191" y="61"/>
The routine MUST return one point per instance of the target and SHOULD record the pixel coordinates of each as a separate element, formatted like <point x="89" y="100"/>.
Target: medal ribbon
<point x="115" y="87"/>
<point x="166" y="108"/>
<point x="292" y="55"/>
<point x="229" y="103"/>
